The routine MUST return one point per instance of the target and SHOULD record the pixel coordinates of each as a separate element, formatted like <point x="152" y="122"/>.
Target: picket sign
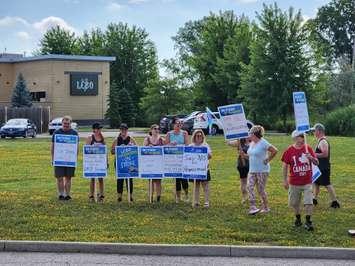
<point x="94" y="161"/>
<point x="303" y="125"/>
<point x="65" y="150"/>
<point x="233" y="121"/>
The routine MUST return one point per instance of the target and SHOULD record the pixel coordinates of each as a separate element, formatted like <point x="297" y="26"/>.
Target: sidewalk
<point x="178" y="250"/>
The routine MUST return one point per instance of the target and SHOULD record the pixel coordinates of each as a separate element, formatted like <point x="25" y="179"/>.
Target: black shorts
<point x="61" y="171"/>
<point x="324" y="179"/>
<point x="243" y="171"/>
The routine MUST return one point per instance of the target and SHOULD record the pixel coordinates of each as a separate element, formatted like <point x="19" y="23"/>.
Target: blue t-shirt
<point x="257" y="154"/>
<point x="60" y="131"/>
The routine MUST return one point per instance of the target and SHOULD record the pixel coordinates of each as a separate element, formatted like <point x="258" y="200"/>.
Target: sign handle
<point x="194" y="196"/>
<point x="128" y="189"/>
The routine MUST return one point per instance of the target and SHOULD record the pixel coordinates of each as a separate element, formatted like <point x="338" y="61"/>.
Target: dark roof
<point x="56" y="57"/>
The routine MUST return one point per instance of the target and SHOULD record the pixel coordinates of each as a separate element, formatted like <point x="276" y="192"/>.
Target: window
<point x="38" y="96"/>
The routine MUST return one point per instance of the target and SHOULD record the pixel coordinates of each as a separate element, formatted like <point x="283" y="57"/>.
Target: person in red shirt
<point x="297" y="173"/>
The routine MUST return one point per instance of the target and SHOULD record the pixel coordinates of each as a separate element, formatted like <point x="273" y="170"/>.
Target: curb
<point x="178" y="250"/>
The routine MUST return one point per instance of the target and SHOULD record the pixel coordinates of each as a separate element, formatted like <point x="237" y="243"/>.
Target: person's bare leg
<point x="197" y="193"/>
<point x="243" y="188"/>
<point x="331" y="193"/>
<point x="60" y="186"/>
<point x="67" y="185"/>
<point x="206" y="189"/>
<point x="92" y="188"/>
<point x="101" y="187"/>
<point x="308" y="209"/>
<point x="158" y="189"/>
<point x="316" y="190"/>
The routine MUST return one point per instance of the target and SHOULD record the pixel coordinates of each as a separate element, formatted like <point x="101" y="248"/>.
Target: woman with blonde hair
<point x="260" y="153"/>
<point x="154" y="139"/>
<point x="199" y="139"/>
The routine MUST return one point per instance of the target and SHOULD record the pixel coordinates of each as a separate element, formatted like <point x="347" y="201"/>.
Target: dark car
<point x="165" y="123"/>
<point x="18" y="127"/>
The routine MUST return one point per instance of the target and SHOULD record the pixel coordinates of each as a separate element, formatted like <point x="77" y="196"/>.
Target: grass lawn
<point x="29" y="209"/>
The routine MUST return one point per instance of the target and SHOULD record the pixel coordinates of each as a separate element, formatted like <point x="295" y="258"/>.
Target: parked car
<point x="18" y="127"/>
<point x="201" y="121"/>
<point x="56" y="123"/>
<point x="165" y="123"/>
<point x="188" y="121"/>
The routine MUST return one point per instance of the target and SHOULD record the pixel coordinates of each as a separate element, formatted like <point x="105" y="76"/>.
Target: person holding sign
<point x="154" y="139"/>
<point x="63" y="174"/>
<point x="260" y="153"/>
<point x="297" y="160"/>
<point x="96" y="139"/>
<point x="178" y="137"/>
<point x="242" y="146"/>
<point x="198" y="139"/>
<point x="123" y="139"/>
<point x="323" y="155"/>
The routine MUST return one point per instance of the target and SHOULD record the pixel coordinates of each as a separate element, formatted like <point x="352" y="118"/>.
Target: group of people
<point x="254" y="154"/>
<point x="177" y="136"/>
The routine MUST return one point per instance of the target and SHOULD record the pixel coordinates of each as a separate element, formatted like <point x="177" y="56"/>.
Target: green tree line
<point x="225" y="58"/>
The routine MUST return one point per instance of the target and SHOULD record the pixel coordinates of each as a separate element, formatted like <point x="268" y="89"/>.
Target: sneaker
<point x="119" y="199"/>
<point x="158" y="198"/>
<point x="61" y="197"/>
<point x="196" y="205"/>
<point x="67" y="197"/>
<point x="131" y="199"/>
<point x="91" y="199"/>
<point x="309" y="226"/>
<point x="315" y="202"/>
<point x="335" y="204"/>
<point x="265" y="210"/>
<point x="206" y="205"/>
<point x="186" y="198"/>
<point x="100" y="198"/>
<point x="298" y="222"/>
<point x="253" y="210"/>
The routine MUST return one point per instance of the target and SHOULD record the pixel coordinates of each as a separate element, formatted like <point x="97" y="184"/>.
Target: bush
<point x="341" y="122"/>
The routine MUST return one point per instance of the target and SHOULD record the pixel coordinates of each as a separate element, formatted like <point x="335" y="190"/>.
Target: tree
<point x="334" y="26"/>
<point x="92" y="43"/>
<point x="58" y="41"/>
<point x="278" y="66"/>
<point x="136" y="61"/>
<point x="21" y="96"/>
<point x="213" y="49"/>
<point x="113" y="112"/>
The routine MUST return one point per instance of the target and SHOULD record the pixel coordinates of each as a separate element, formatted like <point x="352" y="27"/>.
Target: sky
<point x="23" y="22"/>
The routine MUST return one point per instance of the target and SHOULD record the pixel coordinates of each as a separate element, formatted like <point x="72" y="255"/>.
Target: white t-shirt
<point x="257" y="154"/>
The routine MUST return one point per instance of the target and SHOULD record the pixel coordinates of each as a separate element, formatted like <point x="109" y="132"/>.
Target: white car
<point x="56" y="123"/>
<point x="201" y="122"/>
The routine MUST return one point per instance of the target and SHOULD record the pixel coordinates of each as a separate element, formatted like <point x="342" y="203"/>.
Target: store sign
<point x="83" y="84"/>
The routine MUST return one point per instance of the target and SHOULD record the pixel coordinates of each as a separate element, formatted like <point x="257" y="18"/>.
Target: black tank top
<point x="94" y="141"/>
<point x="324" y="163"/>
<point x="121" y="141"/>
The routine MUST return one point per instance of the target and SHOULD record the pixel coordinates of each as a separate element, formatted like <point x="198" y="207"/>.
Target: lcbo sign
<point x="83" y="84"/>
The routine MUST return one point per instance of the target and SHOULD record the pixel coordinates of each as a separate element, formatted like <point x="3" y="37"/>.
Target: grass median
<point x="29" y="209"/>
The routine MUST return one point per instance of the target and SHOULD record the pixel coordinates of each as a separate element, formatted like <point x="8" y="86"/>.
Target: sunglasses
<point x="156" y="128"/>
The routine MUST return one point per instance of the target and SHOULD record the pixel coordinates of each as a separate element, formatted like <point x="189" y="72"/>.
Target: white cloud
<point x="23" y="35"/>
<point x="50" y="22"/>
<point x="113" y="7"/>
<point x="11" y="21"/>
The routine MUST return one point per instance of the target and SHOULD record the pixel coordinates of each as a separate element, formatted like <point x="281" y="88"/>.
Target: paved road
<point x="107" y="134"/>
<point x="14" y="258"/>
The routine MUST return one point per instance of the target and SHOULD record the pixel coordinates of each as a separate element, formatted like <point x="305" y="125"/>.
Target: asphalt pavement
<point x="36" y="258"/>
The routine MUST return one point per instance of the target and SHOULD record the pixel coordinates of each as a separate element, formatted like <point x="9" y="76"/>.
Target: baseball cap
<point x="317" y="126"/>
<point x="96" y="126"/>
<point x="123" y="126"/>
<point x="296" y="133"/>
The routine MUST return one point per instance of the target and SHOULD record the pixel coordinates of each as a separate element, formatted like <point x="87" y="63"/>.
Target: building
<point x="66" y="84"/>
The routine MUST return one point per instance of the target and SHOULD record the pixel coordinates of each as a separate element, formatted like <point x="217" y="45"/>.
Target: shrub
<point x="341" y="121"/>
